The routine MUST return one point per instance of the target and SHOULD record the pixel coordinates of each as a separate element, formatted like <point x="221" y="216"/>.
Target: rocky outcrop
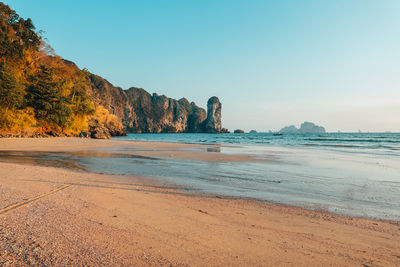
<point x="238" y="131"/>
<point x="213" y="122"/>
<point x="141" y="112"/>
<point x="305" y="128"/>
<point x="100" y="132"/>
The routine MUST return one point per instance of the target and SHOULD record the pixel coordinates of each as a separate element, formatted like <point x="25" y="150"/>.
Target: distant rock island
<point x="305" y="128"/>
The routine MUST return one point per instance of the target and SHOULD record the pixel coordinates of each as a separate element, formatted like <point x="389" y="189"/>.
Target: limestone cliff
<point x="142" y="112"/>
<point x="213" y="122"/>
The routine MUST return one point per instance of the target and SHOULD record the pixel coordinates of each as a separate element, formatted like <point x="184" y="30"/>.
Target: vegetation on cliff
<point x="40" y="93"/>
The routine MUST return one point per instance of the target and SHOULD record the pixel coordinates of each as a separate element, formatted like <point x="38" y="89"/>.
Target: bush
<point x="17" y="120"/>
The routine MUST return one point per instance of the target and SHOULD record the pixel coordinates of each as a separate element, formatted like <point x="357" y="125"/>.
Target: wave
<point x="380" y="142"/>
<point x="376" y="140"/>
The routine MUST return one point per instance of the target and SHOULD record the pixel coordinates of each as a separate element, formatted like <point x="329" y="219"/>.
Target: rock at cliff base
<point x="238" y="131"/>
<point x="100" y="132"/>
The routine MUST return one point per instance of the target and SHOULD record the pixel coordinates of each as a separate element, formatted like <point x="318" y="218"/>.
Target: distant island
<point x="305" y="128"/>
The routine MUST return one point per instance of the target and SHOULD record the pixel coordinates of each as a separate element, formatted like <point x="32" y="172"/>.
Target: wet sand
<point x="56" y="216"/>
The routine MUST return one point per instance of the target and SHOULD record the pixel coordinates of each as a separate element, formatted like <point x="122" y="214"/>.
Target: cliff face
<point x="144" y="113"/>
<point x="213" y="122"/>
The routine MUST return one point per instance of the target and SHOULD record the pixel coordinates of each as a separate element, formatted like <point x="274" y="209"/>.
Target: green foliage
<point x="45" y="96"/>
<point x="11" y="93"/>
<point x="16" y="34"/>
<point x="16" y="120"/>
<point x="37" y="88"/>
<point x="82" y="104"/>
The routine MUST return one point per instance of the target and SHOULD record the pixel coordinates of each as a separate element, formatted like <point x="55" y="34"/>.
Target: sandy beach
<point x="58" y="216"/>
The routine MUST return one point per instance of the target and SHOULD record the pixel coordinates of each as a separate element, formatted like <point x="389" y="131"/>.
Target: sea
<point x="352" y="174"/>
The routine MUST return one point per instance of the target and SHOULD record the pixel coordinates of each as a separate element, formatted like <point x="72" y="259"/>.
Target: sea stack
<point x="213" y="122"/>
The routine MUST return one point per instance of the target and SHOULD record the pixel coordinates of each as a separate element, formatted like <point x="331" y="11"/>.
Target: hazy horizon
<point x="272" y="64"/>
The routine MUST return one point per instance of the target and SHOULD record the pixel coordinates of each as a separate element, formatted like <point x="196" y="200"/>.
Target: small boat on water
<point x="277" y="134"/>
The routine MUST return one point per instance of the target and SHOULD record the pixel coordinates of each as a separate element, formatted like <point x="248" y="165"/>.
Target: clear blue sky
<point x="271" y="63"/>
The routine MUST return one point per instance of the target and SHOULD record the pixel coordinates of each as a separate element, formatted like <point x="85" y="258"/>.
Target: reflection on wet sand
<point x="214" y="149"/>
<point x="67" y="160"/>
<point x="100" y="154"/>
<point x="299" y="177"/>
<point x="47" y="159"/>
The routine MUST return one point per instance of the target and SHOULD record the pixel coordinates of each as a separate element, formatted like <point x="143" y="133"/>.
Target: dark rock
<point x="84" y="134"/>
<point x="196" y="119"/>
<point x="238" y="131"/>
<point x="224" y="130"/>
<point x="253" y="131"/>
<point x="52" y="133"/>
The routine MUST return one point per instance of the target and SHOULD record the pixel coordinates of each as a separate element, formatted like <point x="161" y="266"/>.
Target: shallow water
<point x="47" y="159"/>
<point x="376" y="143"/>
<point x="347" y="182"/>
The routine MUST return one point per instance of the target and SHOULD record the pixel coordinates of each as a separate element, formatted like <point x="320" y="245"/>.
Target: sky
<point x="271" y="63"/>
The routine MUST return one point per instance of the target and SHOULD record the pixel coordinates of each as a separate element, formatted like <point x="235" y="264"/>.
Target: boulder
<point x="84" y="134"/>
<point x="238" y="131"/>
<point x="100" y="132"/>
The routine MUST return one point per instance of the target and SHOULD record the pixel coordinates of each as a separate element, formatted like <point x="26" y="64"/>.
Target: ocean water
<point x="381" y="143"/>
<point x="356" y="174"/>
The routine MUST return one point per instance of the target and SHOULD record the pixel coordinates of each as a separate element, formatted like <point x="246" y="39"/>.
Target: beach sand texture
<point x="55" y="216"/>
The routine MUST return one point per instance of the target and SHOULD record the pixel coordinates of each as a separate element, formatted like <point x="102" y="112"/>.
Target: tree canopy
<point x="36" y="82"/>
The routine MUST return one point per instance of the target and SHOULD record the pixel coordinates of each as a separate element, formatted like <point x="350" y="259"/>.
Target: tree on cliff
<point x="16" y="35"/>
<point x="45" y="96"/>
<point x="39" y="91"/>
<point x="11" y="93"/>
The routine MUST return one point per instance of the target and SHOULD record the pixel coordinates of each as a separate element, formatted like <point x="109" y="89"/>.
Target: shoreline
<point x="190" y="193"/>
<point x="152" y="150"/>
<point x="71" y="152"/>
<point x="181" y="228"/>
